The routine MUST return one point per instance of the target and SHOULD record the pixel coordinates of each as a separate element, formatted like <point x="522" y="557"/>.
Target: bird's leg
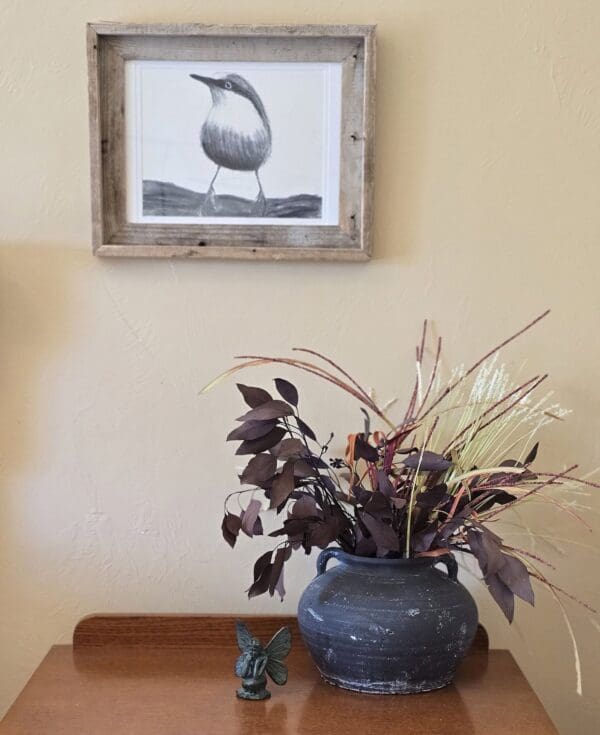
<point x="208" y="204"/>
<point x="211" y="188"/>
<point x="260" y="203"/>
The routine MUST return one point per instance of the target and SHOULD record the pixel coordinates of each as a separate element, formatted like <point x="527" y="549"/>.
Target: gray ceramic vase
<point x="386" y="626"/>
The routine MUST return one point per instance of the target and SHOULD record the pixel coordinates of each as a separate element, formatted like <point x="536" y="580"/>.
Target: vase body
<point x="386" y="626"/>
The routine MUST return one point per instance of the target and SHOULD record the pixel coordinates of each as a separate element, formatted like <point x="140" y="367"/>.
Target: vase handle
<point x="324" y="557"/>
<point x="451" y="566"/>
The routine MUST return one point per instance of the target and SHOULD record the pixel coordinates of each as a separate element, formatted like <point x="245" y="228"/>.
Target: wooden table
<point x="173" y="675"/>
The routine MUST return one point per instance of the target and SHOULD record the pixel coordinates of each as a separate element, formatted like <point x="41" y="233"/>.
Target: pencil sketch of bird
<point x="236" y="133"/>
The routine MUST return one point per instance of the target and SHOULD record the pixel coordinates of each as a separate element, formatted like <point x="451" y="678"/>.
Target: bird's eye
<point x="227" y="85"/>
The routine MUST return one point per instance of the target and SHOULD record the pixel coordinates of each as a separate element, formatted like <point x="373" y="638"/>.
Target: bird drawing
<point x="235" y="135"/>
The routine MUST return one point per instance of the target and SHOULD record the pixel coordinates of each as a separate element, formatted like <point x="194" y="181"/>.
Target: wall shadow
<point x="36" y="287"/>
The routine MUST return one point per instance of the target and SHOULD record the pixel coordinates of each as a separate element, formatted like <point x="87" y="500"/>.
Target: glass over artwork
<point x="233" y="142"/>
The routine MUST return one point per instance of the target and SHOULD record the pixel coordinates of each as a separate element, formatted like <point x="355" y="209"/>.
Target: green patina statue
<point x="255" y="662"/>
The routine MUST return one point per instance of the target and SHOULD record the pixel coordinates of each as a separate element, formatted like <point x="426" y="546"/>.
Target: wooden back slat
<point x="188" y="631"/>
<point x="173" y="631"/>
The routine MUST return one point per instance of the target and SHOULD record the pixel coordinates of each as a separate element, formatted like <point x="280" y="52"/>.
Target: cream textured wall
<point x="113" y="470"/>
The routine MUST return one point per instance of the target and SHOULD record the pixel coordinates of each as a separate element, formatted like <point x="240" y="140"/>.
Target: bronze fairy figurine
<point x="255" y="662"/>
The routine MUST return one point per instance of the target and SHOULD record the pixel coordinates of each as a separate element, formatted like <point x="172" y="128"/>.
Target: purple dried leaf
<point x="532" y="454"/>
<point x="515" y="576"/>
<point x="363" y="450"/>
<point x="254" y="396"/>
<point x="449" y="527"/>
<point x="493" y="553"/>
<point x="287" y="391"/>
<point x="511" y="463"/>
<point x="502" y="595"/>
<point x="272" y="409"/>
<point x="384" y="484"/>
<point x="250" y="430"/>
<point x="283" y="485"/>
<point x="281" y="555"/>
<point x="432" y="497"/>
<point x="366" y="547"/>
<point x="258" y="527"/>
<point x="484" y="501"/>
<point x="261" y="584"/>
<point x="476" y="545"/>
<point x="230" y="528"/>
<point x="290" y="448"/>
<point x="379" y="506"/>
<point x="423" y="540"/>
<point x="292" y="527"/>
<point x="322" y="533"/>
<point x="254" y="446"/>
<point x="305" y="429"/>
<point x="250" y="516"/>
<point x="279" y="588"/>
<point x="427" y="462"/>
<point x="364" y="544"/>
<point x="302" y="469"/>
<point x="305" y="507"/>
<point x="259" y="469"/>
<point x="361" y="494"/>
<point x="383" y="534"/>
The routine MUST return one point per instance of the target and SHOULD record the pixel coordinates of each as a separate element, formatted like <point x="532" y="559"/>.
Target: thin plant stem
<point x="329" y="361"/>
<point x="432" y="376"/>
<point x="479" y="362"/>
<point x="530" y="492"/>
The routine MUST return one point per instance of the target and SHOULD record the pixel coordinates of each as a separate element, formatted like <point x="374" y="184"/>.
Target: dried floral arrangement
<point x="432" y="483"/>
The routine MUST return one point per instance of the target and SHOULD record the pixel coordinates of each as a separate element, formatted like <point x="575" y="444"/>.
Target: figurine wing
<point x="277" y="671"/>
<point x="280" y="644"/>
<point x="277" y="649"/>
<point x="241" y="665"/>
<point x="244" y="637"/>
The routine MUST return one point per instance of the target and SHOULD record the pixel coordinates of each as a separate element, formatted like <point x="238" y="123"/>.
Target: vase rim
<point x="411" y="561"/>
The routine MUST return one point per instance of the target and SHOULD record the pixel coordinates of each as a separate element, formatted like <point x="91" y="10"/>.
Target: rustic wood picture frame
<point x="110" y="45"/>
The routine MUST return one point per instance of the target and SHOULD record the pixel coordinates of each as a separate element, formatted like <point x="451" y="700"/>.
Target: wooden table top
<point x="113" y="689"/>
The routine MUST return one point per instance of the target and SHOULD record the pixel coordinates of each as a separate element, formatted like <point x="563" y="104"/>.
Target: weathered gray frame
<point x="111" y="44"/>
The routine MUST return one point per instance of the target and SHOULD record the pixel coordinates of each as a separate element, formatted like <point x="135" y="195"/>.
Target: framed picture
<point x="232" y="141"/>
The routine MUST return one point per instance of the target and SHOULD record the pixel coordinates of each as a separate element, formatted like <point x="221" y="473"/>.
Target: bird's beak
<point x="207" y="80"/>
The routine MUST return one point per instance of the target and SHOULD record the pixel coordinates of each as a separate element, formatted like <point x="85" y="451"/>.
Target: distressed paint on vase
<point x="386" y="626"/>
